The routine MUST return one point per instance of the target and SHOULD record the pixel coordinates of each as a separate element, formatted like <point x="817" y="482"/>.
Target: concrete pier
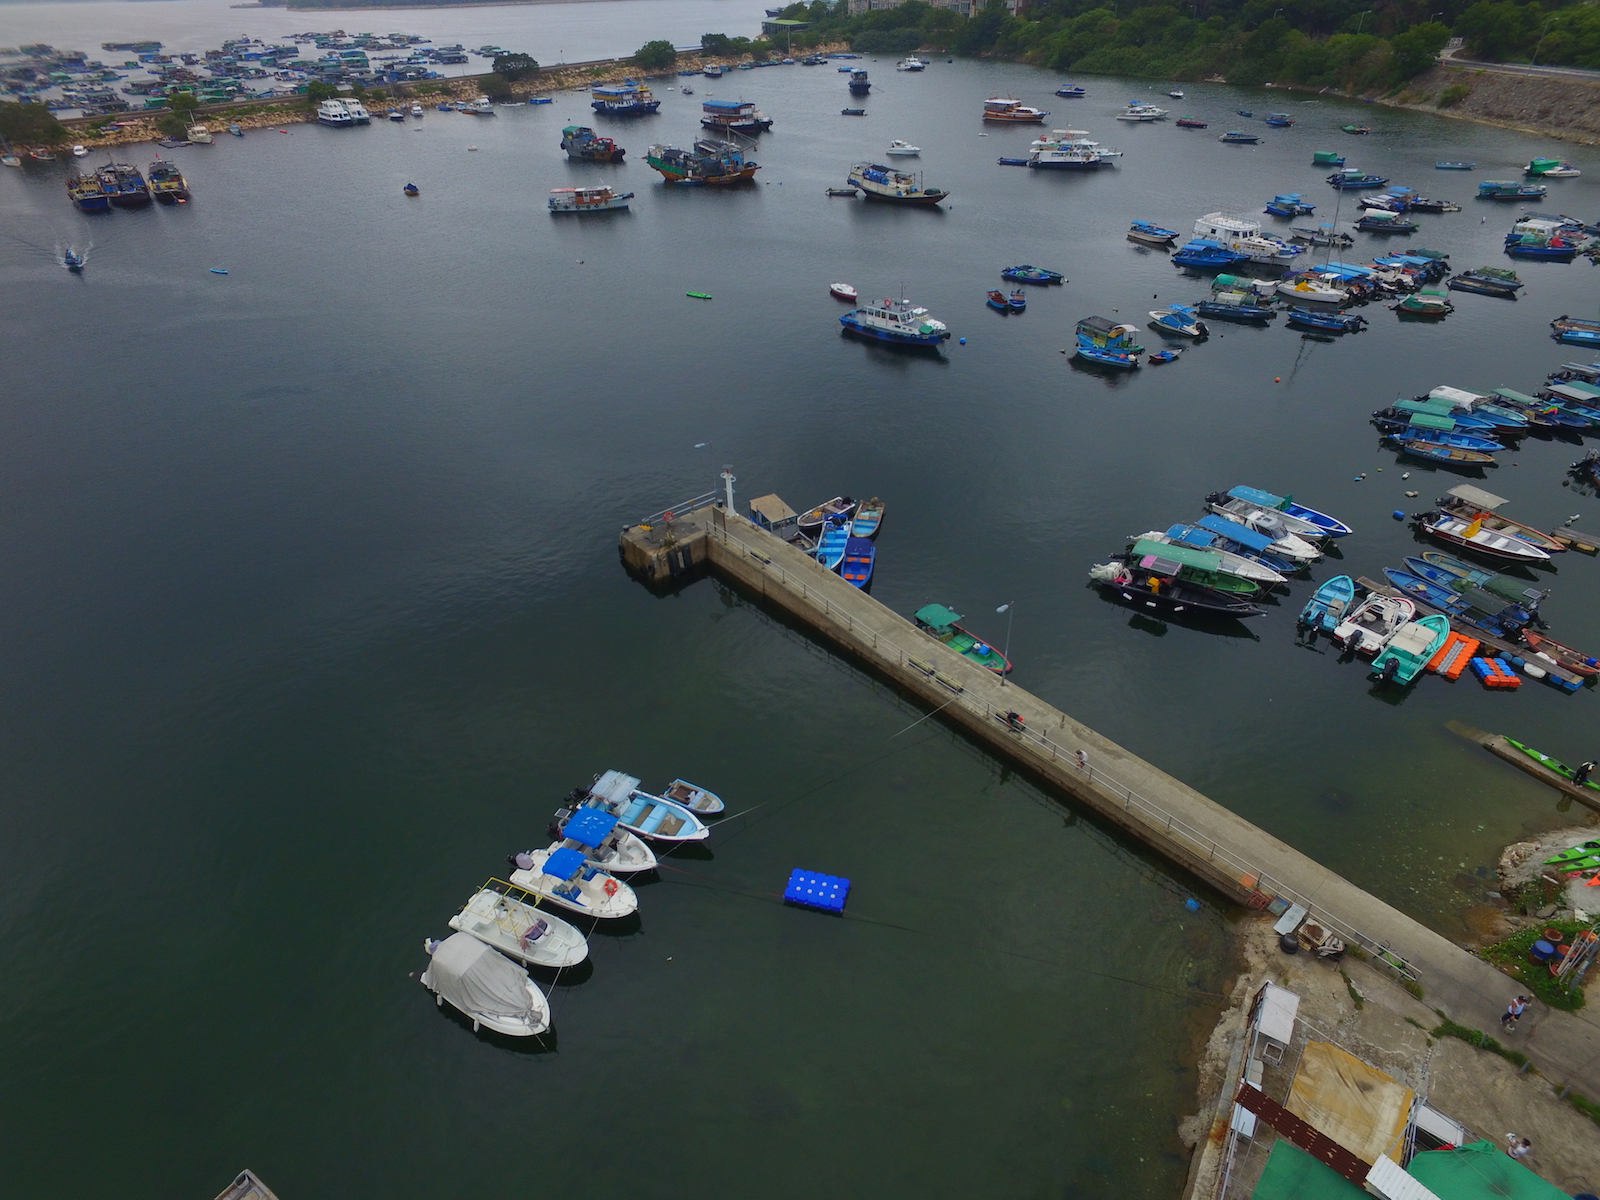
<point x="1242" y="862"/>
<point x="1497" y="745"/>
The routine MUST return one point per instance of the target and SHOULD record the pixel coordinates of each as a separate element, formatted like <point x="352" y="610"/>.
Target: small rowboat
<point x="1474" y="535"/>
<point x="1326" y="609"/>
<point x="868" y="518"/>
<point x="1575" y="661"/>
<point x="859" y="556"/>
<point x="811" y="523"/>
<point x="1018" y="300"/>
<point x="1164" y="356"/>
<point x="831" y="545"/>
<point x="998" y="302"/>
<point x="842" y="291"/>
<point x="693" y="797"/>
<point x="1452" y="455"/>
<point x="411" y="189"/>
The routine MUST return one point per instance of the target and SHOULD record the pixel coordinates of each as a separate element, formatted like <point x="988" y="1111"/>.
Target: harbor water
<point x="313" y="613"/>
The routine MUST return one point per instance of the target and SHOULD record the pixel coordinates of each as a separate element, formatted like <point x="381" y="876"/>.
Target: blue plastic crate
<point x="816" y="890"/>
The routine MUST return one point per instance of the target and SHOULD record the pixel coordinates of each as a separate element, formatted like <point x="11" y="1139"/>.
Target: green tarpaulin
<point x="1480" y="1171"/>
<point x="1292" y="1174"/>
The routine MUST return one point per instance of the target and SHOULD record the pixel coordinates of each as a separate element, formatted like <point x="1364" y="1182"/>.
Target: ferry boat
<point x="88" y="192"/>
<point x="740" y="116"/>
<point x="860" y="85"/>
<point x="587" y="199"/>
<point x="1141" y="112"/>
<point x="1243" y="235"/>
<point x="898" y="322"/>
<point x="581" y="144"/>
<point x="167" y="183"/>
<point x="709" y="163"/>
<point x="1069" y="150"/>
<point x="333" y="112"/>
<point x="124" y="185"/>
<point x="999" y="108"/>
<point x="878" y="182"/>
<point x="630" y="98"/>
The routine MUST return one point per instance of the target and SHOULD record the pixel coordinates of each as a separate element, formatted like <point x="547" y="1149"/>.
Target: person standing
<point x="1514" y="1011"/>
<point x="1520" y="1147"/>
<point x="1581" y="775"/>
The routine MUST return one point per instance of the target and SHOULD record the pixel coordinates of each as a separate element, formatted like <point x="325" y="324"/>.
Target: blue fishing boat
<point x="1238" y="137"/>
<point x="898" y="322"/>
<point x="1351" y="178"/>
<point x="1106" y="343"/>
<point x="1551" y="250"/>
<point x="1164" y="356"/>
<point x="1510" y="189"/>
<point x="630" y="98"/>
<point x="833" y="541"/>
<point x="1407" y="652"/>
<point x="1450" y="456"/>
<point x="1325" y="322"/>
<point x="1180" y="320"/>
<point x="1472" y="606"/>
<point x="1012" y="162"/>
<point x="1454" y="166"/>
<point x="1071" y="92"/>
<point x="1151" y="235"/>
<point x="998" y="302"/>
<point x="1417" y="432"/>
<point x="1327" y="158"/>
<point x="1289" y="204"/>
<point x="1279" y="120"/>
<point x="1241" y="539"/>
<point x="74" y="260"/>
<point x="1236" y="306"/>
<point x="1448" y="567"/>
<point x="1402" y="414"/>
<point x="1329" y="526"/>
<point x="1027" y="273"/>
<point x="1376" y="220"/>
<point x="1018" y="300"/>
<point x="859" y="557"/>
<point x="1202" y="254"/>
<point x="868" y="519"/>
<point x="1328" y="606"/>
<point x="1244" y="112"/>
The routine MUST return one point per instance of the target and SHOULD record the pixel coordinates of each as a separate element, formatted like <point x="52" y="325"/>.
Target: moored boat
<point x="1238" y="137"/>
<point x="125" y="185"/>
<point x="565" y="878"/>
<point x="943" y="625"/>
<point x="1475" y="504"/>
<point x="599" y="836"/>
<point x="1486" y="281"/>
<point x="999" y="108"/>
<point x="1189" y="123"/>
<point x="737" y="116"/>
<point x="1326" y="609"/>
<point x="484" y="986"/>
<point x="1191" y="565"/>
<point x="1426" y="304"/>
<point x="842" y="291"/>
<point x="1472" y="534"/>
<point x="709" y="164"/>
<point x="1106" y="343"/>
<point x="1289" y="204"/>
<point x="695" y="798"/>
<point x="1351" y="178"/>
<point x="1326" y="322"/>
<point x="897" y="322"/>
<point x="1028" y="273"/>
<point x="1406" y="653"/>
<point x="878" y="182"/>
<point x="588" y="199"/>
<point x="1370" y="624"/>
<point x="1318" y="523"/>
<point x="831" y="541"/>
<point x="508" y="918"/>
<point x="581" y="145"/>
<point x="167" y="183"/>
<point x="1151" y="235"/>
<point x="868" y="519"/>
<point x="1545" y="646"/>
<point x="903" y="149"/>
<point x="997" y="301"/>
<point x="1178" y="319"/>
<point x="640" y="812"/>
<point x="859" y="85"/>
<point x="630" y="98"/>
<point x="859" y="558"/>
<point x="1231" y="562"/>
<point x="1452" y="456"/>
<point x="1156" y="589"/>
<point x="88" y="192"/>
<point x="810" y="523"/>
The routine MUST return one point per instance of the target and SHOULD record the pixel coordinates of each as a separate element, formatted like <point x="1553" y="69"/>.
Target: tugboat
<point x="630" y="98"/>
<point x="898" y="322"/>
<point x="167" y="183"/>
<point x="740" y="116"/>
<point x="859" y="83"/>
<point x="587" y="199"/>
<point x="124" y="185"/>
<point x="581" y="144"/>
<point x="88" y="192"/>
<point x="708" y="163"/>
<point x="1015" y="111"/>
<point x="878" y="182"/>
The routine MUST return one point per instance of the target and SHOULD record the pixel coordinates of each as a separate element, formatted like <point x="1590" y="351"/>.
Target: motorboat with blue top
<point x="1234" y="564"/>
<point x="510" y="919"/>
<point x="1320" y="522"/>
<point x="1238" y="137"/>
<point x="1290" y="204"/>
<point x="605" y="844"/>
<point x="639" y="812"/>
<point x="565" y="878"/>
<point x="1326" y="609"/>
<point x="897" y="322"/>
<point x="1326" y="322"/>
<point x="1287" y="555"/>
<point x="1071" y="91"/>
<point x="1242" y="307"/>
<point x="1180" y="320"/>
<point x="1204" y="254"/>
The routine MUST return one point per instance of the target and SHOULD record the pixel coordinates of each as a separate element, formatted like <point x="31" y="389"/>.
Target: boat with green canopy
<point x="941" y="624"/>
<point x="1408" y="650"/>
<point x="1199" y="567"/>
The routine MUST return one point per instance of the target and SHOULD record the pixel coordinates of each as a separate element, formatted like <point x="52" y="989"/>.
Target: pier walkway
<point x="1244" y="863"/>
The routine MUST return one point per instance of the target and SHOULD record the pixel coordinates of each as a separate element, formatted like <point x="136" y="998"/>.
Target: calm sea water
<point x="312" y="612"/>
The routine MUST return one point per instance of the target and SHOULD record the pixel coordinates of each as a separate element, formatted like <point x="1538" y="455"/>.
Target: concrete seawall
<point x="1238" y="860"/>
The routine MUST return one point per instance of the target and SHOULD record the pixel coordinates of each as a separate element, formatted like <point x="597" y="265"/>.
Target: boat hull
<point x="927" y="341"/>
<point x="682" y="178"/>
<point x="1177" y="602"/>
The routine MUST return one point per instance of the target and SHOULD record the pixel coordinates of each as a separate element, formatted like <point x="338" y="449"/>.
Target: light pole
<point x="1008" y="608"/>
<point x="1542" y="32"/>
<point x="1360" y="18"/>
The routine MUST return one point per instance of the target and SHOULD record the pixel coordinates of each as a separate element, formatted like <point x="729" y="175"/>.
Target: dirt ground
<point x="1363" y="1010"/>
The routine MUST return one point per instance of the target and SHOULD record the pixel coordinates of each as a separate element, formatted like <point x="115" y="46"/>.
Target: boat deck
<point x="1242" y="862"/>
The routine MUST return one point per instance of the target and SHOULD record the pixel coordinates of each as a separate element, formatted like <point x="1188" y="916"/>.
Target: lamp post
<point x="1360" y="18"/>
<point x="1008" y="608"/>
<point x="1542" y="32"/>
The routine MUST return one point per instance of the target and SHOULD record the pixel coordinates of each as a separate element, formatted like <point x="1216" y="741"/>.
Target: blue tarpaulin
<point x="564" y="863"/>
<point x="590" y="826"/>
<point x="1242" y="534"/>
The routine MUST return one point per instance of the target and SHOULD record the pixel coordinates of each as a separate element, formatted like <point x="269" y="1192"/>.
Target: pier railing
<point x="1251" y="877"/>
<point x="703" y="500"/>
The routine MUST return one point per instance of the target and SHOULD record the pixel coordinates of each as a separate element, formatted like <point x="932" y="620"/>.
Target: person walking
<point x="1514" y="1011"/>
<point x="1520" y="1147"/>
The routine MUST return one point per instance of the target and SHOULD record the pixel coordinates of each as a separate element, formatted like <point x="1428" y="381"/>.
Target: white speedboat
<point x="479" y="107"/>
<point x="1314" y="290"/>
<point x="333" y="112"/>
<point x="1176" y="93"/>
<point x="358" y="112"/>
<point x="79" y="151"/>
<point x="416" y="109"/>
<point x="200" y="134"/>
<point x="1372" y="623"/>
<point x="485" y="986"/>
<point x="693" y="797"/>
<point x="1233" y="564"/>
<point x="598" y="835"/>
<point x="1142" y="112"/>
<point x="911" y="63"/>
<point x="503" y="916"/>
<point x="562" y="876"/>
<point x="903" y="149"/>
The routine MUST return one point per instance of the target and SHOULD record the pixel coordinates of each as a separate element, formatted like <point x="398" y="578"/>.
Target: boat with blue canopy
<point x="1328" y="605"/>
<point x="1407" y="652"/>
<point x="1396" y="419"/>
<point x="1326" y="322"/>
<point x="641" y="813"/>
<point x="1180" y="320"/>
<point x="1028" y="273"/>
<point x="563" y="877"/>
<point x="1151" y="235"/>
<point x="1203" y="254"/>
<point x="1220" y="540"/>
<point x="596" y="832"/>
<point x="1276" y="542"/>
<point x="1320" y="521"/>
<point x="1290" y="204"/>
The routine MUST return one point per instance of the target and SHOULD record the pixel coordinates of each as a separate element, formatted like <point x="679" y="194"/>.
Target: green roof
<point x="1292" y="1174"/>
<point x="1479" y="1171"/>
<point x="1184" y="556"/>
<point x="937" y="616"/>
<point x="1429" y="421"/>
<point x="1439" y="408"/>
<point x="1519" y="397"/>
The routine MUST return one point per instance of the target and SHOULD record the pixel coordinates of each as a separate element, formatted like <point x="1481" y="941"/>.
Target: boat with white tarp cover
<point x="485" y="986"/>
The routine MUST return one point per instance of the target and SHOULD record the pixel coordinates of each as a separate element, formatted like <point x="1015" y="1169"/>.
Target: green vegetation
<point x="1504" y="31"/>
<point x="720" y="45"/>
<point x="514" y="66"/>
<point x="1511" y="956"/>
<point x="1476" y="1037"/>
<point x="316" y="93"/>
<point x="496" y="87"/>
<point x="30" y="124"/>
<point x="1587" y="1107"/>
<point x="1453" y="95"/>
<point x="655" y="56"/>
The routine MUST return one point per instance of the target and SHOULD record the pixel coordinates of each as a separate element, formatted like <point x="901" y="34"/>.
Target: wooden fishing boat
<point x="1545" y="646"/>
<point x="1407" y="652"/>
<point x="831" y="544"/>
<point x="1372" y="622"/>
<point x="1449" y="455"/>
<point x="1327" y="607"/>
<point x="693" y="797"/>
<point x="868" y="519"/>
<point x="811" y="522"/>
<point x="941" y="624"/>
<point x="859" y="556"/>
<point x="1472" y="534"/>
<point x="998" y="302"/>
<point x="1476" y="504"/>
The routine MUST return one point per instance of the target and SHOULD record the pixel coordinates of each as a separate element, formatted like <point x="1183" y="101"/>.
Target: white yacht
<point x="486" y="987"/>
<point x="333" y="112"/>
<point x="1069" y="150"/>
<point x="479" y="107"/>
<point x="358" y="112"/>
<point x="1243" y="236"/>
<point x="911" y="63"/>
<point x="902" y="149"/>
<point x="1142" y="112"/>
<point x="200" y="134"/>
<point x="416" y="109"/>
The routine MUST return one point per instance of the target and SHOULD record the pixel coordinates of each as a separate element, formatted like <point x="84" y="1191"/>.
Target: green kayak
<point x="1577" y="856"/>
<point x="1553" y="764"/>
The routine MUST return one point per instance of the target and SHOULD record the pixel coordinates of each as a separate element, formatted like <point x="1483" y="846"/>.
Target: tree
<point x="1417" y="48"/>
<point x="514" y="66"/>
<point x="1492" y="31"/>
<point x="182" y="103"/>
<point x="316" y="92"/>
<point x="495" y="86"/>
<point x="656" y="56"/>
<point x="720" y="45"/>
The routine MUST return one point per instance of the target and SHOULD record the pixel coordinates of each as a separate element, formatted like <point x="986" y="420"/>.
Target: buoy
<point x="1405" y="475"/>
<point x="1398" y="515"/>
<point x="963" y="341"/>
<point x="1278" y="379"/>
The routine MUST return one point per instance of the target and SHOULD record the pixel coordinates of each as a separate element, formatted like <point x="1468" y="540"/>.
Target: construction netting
<point x="1358" y="1106"/>
<point x="1479" y="1171"/>
<point x="1292" y="1174"/>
